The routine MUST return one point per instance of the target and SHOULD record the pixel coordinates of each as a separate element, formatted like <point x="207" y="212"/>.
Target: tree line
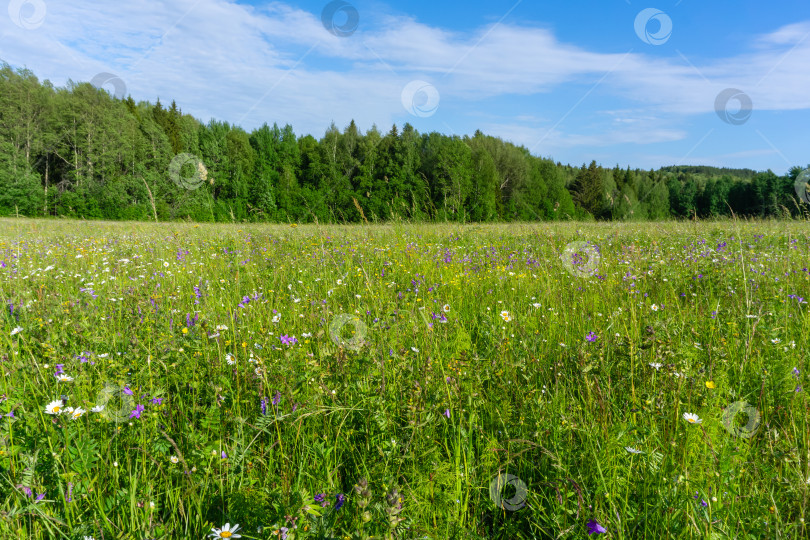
<point x="77" y="151"/>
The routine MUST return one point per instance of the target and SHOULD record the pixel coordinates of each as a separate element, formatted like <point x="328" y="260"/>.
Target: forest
<point x="79" y="152"/>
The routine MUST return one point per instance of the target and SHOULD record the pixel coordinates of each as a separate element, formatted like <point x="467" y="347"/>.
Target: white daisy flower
<point x="414" y="349"/>
<point x="692" y="418"/>
<point x="54" y="407"/>
<point x="221" y="327"/>
<point x="64" y="378"/>
<point x="77" y="413"/>
<point x="446" y="308"/>
<point x="230" y="359"/>
<point x="225" y="532"/>
<point x="276" y="318"/>
<point x="506" y="316"/>
<point x="307" y="334"/>
<point x="174" y="459"/>
<point x="537" y="305"/>
<point x="655" y="365"/>
<point x="654" y="307"/>
<point x="633" y="450"/>
<point x="16" y="331"/>
<point x="776" y="341"/>
<point x="97" y="408"/>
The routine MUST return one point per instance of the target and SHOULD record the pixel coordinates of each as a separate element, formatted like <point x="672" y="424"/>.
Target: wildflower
<point x="776" y="341"/>
<point x="594" y="527"/>
<point x="414" y="349"/>
<point x="536" y="305"/>
<point x="64" y="378"/>
<point x="795" y="372"/>
<point x="288" y="340"/>
<point x="77" y="413"/>
<point x="591" y="337"/>
<point x="655" y="365"/>
<point x="224" y="455"/>
<point x="654" y="307"/>
<point x="446" y="308"/>
<point x="321" y="498"/>
<point x="97" y="408"/>
<point x="156" y="401"/>
<point x="692" y="418"/>
<point x="633" y="450"/>
<point x="277" y="398"/>
<point x="137" y="412"/>
<point x="447" y="413"/>
<point x="16" y="331"/>
<point x="710" y="385"/>
<point x="225" y="532"/>
<point x="54" y="407"/>
<point x="341" y="498"/>
<point x="506" y="316"/>
<point x="127" y="391"/>
<point x="174" y="459"/>
<point x="229" y="358"/>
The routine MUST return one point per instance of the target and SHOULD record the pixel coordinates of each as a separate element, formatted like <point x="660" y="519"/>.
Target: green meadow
<point x="399" y="381"/>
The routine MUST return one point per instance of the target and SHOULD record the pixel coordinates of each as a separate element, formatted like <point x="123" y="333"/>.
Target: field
<point x="404" y="381"/>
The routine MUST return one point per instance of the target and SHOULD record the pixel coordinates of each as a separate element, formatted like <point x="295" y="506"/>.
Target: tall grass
<point x="443" y="381"/>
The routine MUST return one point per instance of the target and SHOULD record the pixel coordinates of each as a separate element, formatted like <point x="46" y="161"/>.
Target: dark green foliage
<point x="79" y="152"/>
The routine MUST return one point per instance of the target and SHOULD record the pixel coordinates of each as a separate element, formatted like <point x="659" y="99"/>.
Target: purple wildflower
<point x="591" y="337"/>
<point x="795" y="372"/>
<point x="24" y="489"/>
<point x="137" y="412"/>
<point x="127" y="391"/>
<point x="447" y="413"/>
<point x="277" y="398"/>
<point x="288" y="340"/>
<point x="594" y="527"/>
<point x="264" y="406"/>
<point x="224" y="455"/>
<point x="341" y="498"/>
<point x="156" y="401"/>
<point x="40" y="496"/>
<point x="703" y="503"/>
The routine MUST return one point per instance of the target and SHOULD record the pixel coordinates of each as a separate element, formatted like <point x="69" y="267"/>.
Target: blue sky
<point x="620" y="81"/>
